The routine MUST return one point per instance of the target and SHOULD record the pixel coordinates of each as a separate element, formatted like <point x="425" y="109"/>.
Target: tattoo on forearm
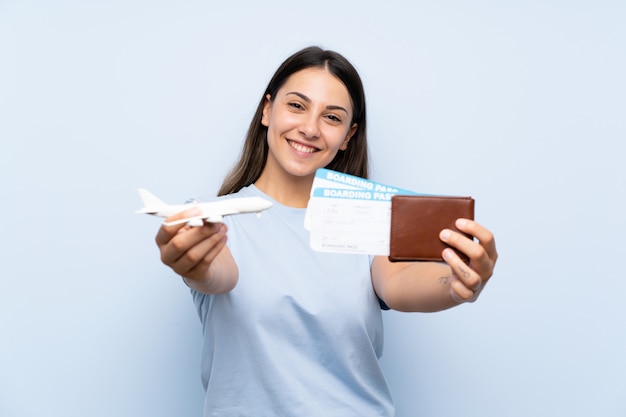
<point x="444" y="280"/>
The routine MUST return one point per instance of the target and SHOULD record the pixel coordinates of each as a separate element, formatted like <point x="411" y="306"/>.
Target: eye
<point x="295" y="105"/>
<point x="334" y="118"/>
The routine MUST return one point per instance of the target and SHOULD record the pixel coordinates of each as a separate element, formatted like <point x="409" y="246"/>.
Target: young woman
<point x="287" y="330"/>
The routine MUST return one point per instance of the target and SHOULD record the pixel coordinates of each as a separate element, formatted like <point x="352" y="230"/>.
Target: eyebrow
<point x="308" y="100"/>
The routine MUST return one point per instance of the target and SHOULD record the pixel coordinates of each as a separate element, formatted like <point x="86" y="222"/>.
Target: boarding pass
<point x="349" y="214"/>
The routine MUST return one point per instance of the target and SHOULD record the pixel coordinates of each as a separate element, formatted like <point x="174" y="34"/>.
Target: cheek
<point x="272" y="136"/>
<point x="338" y="139"/>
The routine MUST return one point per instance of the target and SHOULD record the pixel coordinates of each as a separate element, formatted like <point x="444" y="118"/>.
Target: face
<point x="308" y="122"/>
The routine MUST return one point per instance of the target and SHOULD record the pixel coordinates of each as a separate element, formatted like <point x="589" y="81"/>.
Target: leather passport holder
<point x="416" y="222"/>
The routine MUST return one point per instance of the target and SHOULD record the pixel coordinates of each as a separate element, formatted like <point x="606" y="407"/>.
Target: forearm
<point x="415" y="286"/>
<point x="220" y="277"/>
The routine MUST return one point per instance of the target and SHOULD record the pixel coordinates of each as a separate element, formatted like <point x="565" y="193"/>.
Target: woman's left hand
<point x="468" y="280"/>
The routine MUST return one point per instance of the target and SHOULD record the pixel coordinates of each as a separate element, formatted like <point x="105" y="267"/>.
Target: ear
<point x="265" y="119"/>
<point x="351" y="133"/>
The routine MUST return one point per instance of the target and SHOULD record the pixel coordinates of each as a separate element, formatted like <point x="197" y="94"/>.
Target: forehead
<point x="317" y="84"/>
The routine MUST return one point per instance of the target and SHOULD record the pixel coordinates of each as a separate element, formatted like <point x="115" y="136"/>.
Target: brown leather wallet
<point x="416" y="222"/>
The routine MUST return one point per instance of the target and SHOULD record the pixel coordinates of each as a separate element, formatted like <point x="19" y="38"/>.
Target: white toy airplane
<point x="211" y="212"/>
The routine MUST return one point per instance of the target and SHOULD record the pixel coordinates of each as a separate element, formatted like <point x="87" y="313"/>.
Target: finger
<point x="200" y="255"/>
<point x="181" y="243"/>
<point x="166" y="233"/>
<point x="484" y="236"/>
<point x="464" y="274"/>
<point x="480" y="260"/>
<point x="464" y="244"/>
<point x="459" y="292"/>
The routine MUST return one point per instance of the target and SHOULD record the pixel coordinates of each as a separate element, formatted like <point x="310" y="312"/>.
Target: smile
<point x="302" y="148"/>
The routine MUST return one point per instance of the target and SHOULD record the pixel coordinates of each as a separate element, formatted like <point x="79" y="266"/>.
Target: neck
<point x="291" y="192"/>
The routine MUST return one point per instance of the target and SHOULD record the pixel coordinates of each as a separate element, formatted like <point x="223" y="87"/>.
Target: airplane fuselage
<point x="212" y="212"/>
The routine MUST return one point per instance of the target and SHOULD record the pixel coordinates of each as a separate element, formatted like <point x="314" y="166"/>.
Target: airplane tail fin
<point x="151" y="203"/>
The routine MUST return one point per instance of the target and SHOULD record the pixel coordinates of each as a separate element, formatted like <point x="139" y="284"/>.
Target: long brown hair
<point x="354" y="160"/>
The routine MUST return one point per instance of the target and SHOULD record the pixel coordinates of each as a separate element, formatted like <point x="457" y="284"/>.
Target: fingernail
<point x="461" y="222"/>
<point x="445" y="234"/>
<point x="447" y="254"/>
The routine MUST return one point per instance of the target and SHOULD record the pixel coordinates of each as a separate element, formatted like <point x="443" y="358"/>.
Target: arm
<point x="198" y="254"/>
<point x="434" y="286"/>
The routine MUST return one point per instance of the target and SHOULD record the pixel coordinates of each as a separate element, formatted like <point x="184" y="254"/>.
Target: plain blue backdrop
<point x="519" y="104"/>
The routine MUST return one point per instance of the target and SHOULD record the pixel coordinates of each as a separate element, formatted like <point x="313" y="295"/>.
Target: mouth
<point x="301" y="147"/>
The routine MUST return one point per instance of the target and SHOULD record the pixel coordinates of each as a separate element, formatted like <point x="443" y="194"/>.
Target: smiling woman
<point x="287" y="330"/>
<point x="354" y="160"/>
<point x="309" y="122"/>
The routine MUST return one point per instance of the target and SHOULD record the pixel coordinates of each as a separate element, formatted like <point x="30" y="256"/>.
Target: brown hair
<point x="354" y="160"/>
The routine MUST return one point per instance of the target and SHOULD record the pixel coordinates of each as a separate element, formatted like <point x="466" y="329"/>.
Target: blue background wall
<point x="519" y="104"/>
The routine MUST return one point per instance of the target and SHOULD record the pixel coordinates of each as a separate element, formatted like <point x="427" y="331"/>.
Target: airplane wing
<point x="191" y="221"/>
<point x="196" y="220"/>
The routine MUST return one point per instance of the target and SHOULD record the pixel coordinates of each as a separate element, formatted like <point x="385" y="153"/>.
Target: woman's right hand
<point x="198" y="253"/>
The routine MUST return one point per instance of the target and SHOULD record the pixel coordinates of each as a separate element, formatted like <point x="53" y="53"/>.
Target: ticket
<point x="348" y="214"/>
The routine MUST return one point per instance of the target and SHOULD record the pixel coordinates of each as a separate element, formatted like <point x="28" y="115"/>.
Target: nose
<point x="309" y="127"/>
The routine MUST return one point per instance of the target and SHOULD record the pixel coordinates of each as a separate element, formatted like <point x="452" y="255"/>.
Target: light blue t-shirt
<point x="300" y="335"/>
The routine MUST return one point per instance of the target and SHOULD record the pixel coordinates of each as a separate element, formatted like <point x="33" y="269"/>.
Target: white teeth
<point x="301" y="148"/>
